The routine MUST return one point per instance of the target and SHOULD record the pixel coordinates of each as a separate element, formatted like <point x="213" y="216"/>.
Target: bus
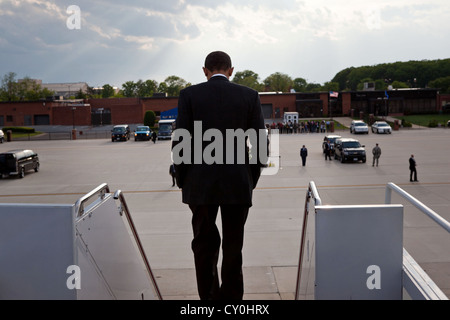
<point x="166" y="128"/>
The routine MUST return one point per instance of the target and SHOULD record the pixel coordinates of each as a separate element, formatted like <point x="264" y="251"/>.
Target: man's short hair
<point x="217" y="60"/>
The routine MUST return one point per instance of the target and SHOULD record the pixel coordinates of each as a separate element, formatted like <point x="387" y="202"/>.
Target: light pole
<point x="73" y="117"/>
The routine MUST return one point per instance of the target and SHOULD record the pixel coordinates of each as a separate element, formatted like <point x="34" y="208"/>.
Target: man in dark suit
<point x="412" y="169"/>
<point x="219" y="105"/>
<point x="303" y="155"/>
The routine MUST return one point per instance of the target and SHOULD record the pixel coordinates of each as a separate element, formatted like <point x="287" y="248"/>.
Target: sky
<point x="111" y="42"/>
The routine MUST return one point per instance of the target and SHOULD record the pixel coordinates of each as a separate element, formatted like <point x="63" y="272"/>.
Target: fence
<point x="66" y="135"/>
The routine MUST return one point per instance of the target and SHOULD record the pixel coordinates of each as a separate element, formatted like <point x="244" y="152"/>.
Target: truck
<point x="165" y="128"/>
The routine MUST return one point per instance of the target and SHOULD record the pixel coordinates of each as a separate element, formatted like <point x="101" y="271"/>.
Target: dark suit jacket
<point x="219" y="104"/>
<point x="412" y="164"/>
<point x="303" y="152"/>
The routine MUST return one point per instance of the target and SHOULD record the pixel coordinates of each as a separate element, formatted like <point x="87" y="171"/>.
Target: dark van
<point x="120" y="132"/>
<point x="17" y="162"/>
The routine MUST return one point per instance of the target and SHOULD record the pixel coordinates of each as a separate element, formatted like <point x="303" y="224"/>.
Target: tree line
<point x="24" y="90"/>
<point x="411" y="74"/>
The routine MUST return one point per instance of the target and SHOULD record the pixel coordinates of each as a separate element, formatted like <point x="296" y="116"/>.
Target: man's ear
<point x="230" y="72"/>
<point x="206" y="72"/>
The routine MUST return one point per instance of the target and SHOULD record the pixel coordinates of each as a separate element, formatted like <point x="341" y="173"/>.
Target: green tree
<point x="28" y="89"/>
<point x="412" y="73"/>
<point x="25" y="89"/>
<point x="278" y="82"/>
<point x="172" y="85"/>
<point x="299" y="84"/>
<point x="107" y="91"/>
<point x="8" y="90"/>
<point x="443" y="84"/>
<point x="249" y="79"/>
<point x="149" y="118"/>
<point x="146" y="88"/>
<point x="330" y="86"/>
<point x="313" y="87"/>
<point x="129" y="89"/>
<point x="399" y="85"/>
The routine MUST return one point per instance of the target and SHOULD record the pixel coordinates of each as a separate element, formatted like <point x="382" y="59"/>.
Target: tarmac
<point x="70" y="169"/>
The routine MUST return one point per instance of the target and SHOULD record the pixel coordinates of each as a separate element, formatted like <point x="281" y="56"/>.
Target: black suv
<point x="349" y="150"/>
<point x="120" y="132"/>
<point x="17" y="162"/>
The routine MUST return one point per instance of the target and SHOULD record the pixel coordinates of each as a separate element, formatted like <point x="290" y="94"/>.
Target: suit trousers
<point x="206" y="247"/>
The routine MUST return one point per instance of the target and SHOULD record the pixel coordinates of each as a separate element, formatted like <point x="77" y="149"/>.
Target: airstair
<point x="356" y="252"/>
<point x="83" y="251"/>
<point x="91" y="250"/>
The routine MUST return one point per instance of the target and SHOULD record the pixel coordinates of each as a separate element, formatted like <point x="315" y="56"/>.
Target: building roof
<point x="66" y="87"/>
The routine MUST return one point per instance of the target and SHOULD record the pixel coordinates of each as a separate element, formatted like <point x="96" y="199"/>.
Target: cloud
<point x="147" y="38"/>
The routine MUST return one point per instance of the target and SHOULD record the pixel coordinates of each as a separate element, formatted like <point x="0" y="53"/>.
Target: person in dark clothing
<point x="412" y="169"/>
<point x="327" y="150"/>
<point x="303" y="155"/>
<point x="172" y="174"/>
<point x="219" y="105"/>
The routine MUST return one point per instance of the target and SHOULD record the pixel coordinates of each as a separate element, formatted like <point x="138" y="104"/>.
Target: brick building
<point x="131" y="110"/>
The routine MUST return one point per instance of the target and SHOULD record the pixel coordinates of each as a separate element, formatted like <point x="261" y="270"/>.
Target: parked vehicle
<point x="17" y="162"/>
<point x="349" y="150"/>
<point x="359" y="126"/>
<point x="142" y="133"/>
<point x="2" y="136"/>
<point x="381" y="127"/>
<point x="120" y="133"/>
<point x="166" y="128"/>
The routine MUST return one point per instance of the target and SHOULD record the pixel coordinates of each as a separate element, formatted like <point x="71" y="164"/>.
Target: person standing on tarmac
<point x="327" y="150"/>
<point x="303" y="155"/>
<point x="412" y="169"/>
<point x="376" y="151"/>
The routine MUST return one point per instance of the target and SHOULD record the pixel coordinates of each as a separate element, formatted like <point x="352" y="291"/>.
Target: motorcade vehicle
<point x="359" y="126"/>
<point x="347" y="149"/>
<point x="165" y="128"/>
<point x="17" y="162"/>
<point x="331" y="139"/>
<point x="143" y="133"/>
<point x="381" y="127"/>
<point x="120" y="133"/>
<point x="2" y="136"/>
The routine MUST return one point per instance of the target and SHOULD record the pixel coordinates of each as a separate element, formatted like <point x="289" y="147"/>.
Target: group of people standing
<point x="376" y="152"/>
<point x="302" y="127"/>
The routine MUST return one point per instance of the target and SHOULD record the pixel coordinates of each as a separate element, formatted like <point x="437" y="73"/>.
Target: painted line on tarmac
<point x="257" y="189"/>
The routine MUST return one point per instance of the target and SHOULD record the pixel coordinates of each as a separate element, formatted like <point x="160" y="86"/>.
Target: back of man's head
<point x="218" y="61"/>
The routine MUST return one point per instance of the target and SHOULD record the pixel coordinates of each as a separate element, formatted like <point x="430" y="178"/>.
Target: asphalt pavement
<point x="70" y="169"/>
